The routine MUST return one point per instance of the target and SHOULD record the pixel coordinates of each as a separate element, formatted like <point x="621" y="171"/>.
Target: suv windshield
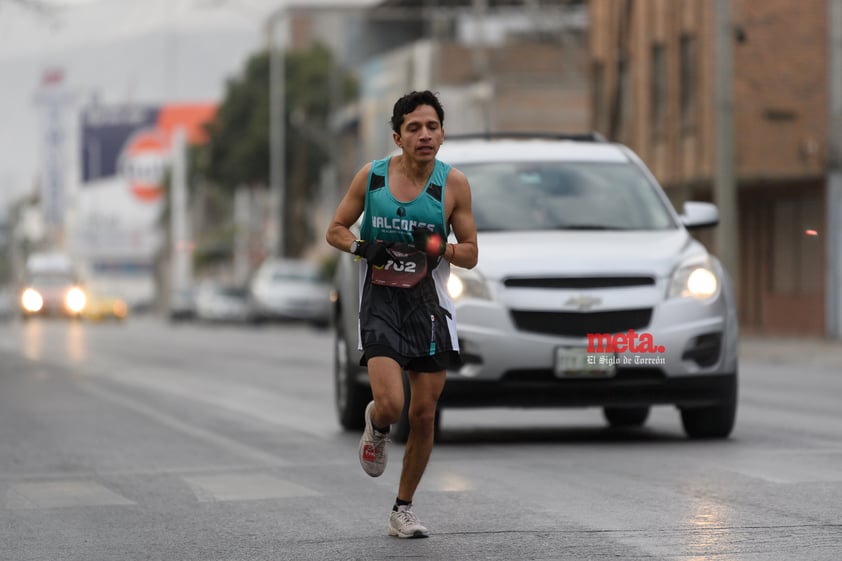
<point x="564" y="196"/>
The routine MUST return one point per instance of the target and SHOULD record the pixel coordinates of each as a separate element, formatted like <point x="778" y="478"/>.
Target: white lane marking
<point x="244" y="487"/>
<point x="57" y="494"/>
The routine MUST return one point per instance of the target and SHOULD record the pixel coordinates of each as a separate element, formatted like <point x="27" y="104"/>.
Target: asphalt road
<point x="147" y="441"/>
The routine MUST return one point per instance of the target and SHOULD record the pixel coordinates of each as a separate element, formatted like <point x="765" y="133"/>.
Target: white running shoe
<point x="373" y="447"/>
<point x="404" y="524"/>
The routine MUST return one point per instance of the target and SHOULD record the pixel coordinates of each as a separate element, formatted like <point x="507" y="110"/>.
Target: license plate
<point x="571" y="362"/>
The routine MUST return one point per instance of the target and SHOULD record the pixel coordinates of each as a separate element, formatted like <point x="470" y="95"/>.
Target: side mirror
<point x="699" y="215"/>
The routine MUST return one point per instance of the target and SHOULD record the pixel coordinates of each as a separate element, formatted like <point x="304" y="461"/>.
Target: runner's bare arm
<point x="339" y="233"/>
<point x="465" y="252"/>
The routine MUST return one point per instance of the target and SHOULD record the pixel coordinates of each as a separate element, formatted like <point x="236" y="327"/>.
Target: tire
<point x="350" y="396"/>
<point x="400" y="430"/>
<point x="256" y="320"/>
<point x="712" y="422"/>
<point x="626" y="416"/>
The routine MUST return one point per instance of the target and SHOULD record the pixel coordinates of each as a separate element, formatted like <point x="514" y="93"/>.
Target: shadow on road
<point x="556" y="435"/>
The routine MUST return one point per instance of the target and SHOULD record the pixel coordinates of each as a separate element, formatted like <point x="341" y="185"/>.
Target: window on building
<point x="626" y="99"/>
<point x="620" y="102"/>
<point x="687" y="86"/>
<point x="658" y="98"/>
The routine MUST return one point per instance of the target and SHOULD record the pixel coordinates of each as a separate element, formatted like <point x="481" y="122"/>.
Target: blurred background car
<point x="290" y="289"/>
<point x="52" y="294"/>
<point x="182" y="305"/>
<point x="102" y="306"/>
<point x="222" y="303"/>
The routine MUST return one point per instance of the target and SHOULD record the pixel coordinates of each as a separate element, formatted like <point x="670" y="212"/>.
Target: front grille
<point x="578" y="282"/>
<point x="580" y="324"/>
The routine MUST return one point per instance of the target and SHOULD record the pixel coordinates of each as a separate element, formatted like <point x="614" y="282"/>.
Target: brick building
<point x="653" y="74"/>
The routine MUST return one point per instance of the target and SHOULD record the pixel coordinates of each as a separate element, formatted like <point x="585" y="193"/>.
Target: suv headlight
<point x="467" y="283"/>
<point x="695" y="278"/>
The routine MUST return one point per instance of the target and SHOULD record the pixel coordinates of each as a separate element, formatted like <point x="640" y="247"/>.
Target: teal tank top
<point x="387" y="219"/>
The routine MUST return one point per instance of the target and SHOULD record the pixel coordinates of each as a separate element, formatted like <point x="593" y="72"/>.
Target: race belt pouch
<point x="405" y="267"/>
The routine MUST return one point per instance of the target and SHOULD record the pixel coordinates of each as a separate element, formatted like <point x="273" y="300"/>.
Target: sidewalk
<point x="803" y="351"/>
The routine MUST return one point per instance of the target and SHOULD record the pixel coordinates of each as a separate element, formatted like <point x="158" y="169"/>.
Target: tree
<point x="238" y="144"/>
<point x="238" y="151"/>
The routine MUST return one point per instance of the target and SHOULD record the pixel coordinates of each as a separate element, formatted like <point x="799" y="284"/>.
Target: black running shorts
<point x="431" y="363"/>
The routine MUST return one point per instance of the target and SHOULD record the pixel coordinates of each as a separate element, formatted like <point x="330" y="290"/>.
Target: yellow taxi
<point x="102" y="307"/>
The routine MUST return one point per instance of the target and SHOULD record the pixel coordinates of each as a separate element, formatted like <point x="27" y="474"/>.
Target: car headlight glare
<point x="75" y="300"/>
<point x="467" y="283"/>
<point x="31" y="300"/>
<point x="455" y="286"/>
<point x="120" y="309"/>
<point x="694" y="280"/>
<point x="702" y="283"/>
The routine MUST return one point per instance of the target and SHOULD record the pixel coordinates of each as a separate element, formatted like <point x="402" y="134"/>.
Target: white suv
<point x="589" y="291"/>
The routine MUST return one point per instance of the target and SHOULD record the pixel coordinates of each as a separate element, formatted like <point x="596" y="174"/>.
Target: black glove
<point x="373" y="252"/>
<point x="428" y="241"/>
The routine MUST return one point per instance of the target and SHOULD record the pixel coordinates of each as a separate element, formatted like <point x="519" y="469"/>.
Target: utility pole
<point x="277" y="32"/>
<point x="242" y="233"/>
<point x="479" y="54"/>
<point x="725" y="187"/>
<point x="181" y="272"/>
<point x="833" y="299"/>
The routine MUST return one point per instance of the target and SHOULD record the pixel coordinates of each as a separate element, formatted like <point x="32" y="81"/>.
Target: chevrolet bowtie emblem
<point x="583" y="302"/>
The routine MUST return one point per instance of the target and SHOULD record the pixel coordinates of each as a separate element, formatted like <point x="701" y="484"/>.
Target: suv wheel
<point x="716" y="421"/>
<point x="626" y="416"/>
<point x="351" y="397"/>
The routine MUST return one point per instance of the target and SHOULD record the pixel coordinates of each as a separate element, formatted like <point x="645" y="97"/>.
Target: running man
<point x="410" y="203"/>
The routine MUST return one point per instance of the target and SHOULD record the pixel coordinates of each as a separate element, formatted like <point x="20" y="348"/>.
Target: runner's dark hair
<point x="409" y="102"/>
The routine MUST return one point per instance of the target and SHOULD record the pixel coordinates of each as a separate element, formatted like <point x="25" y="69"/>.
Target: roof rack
<point x="578" y="136"/>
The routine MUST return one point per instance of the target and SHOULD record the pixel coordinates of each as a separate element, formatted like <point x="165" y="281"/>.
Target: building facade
<point x="512" y="66"/>
<point x="653" y="75"/>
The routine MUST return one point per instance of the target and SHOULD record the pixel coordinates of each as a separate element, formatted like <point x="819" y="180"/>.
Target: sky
<point x="116" y="51"/>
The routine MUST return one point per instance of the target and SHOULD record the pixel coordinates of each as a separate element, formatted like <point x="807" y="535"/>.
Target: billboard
<point x="125" y="157"/>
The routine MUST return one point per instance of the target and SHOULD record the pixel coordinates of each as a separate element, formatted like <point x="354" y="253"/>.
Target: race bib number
<point x="405" y="268"/>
